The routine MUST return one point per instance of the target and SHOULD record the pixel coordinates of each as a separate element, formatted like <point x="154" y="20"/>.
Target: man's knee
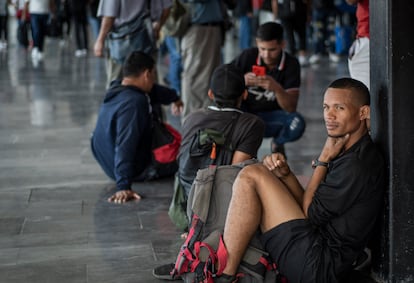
<point x="252" y="173"/>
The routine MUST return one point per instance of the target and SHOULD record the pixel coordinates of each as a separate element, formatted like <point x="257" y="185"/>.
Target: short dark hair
<point x="358" y="87"/>
<point x="270" y="31"/>
<point x="136" y="63"/>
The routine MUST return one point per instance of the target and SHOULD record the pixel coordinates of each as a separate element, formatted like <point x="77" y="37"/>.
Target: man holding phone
<point x="272" y="77"/>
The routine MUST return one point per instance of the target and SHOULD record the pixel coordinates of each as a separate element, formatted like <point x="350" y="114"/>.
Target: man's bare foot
<point x="124" y="196"/>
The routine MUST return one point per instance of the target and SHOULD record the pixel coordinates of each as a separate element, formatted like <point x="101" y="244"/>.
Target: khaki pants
<point x="201" y="54"/>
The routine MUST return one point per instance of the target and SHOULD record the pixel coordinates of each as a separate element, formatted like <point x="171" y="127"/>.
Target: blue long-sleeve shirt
<point x="121" y="142"/>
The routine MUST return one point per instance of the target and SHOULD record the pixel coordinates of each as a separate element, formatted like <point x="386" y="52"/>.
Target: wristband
<point x="316" y="163"/>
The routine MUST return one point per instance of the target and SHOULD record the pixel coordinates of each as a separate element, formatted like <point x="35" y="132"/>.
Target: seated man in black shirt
<point x="313" y="235"/>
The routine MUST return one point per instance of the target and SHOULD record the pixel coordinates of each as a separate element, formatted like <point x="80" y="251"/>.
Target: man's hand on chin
<point x="124" y="196"/>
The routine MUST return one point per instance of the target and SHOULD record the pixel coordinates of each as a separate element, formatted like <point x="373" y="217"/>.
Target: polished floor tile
<point x="55" y="223"/>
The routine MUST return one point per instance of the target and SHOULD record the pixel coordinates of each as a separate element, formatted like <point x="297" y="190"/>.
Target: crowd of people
<point x="52" y="18"/>
<point x="322" y="228"/>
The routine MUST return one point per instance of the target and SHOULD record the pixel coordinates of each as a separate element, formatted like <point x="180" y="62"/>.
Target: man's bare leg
<point x="259" y="198"/>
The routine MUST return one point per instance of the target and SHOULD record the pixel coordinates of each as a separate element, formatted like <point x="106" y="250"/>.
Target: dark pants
<point x="3" y="27"/>
<point x="39" y="25"/>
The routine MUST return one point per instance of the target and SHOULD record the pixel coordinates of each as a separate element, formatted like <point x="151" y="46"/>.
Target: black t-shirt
<point x="287" y="74"/>
<point x="346" y="205"/>
<point x="247" y="133"/>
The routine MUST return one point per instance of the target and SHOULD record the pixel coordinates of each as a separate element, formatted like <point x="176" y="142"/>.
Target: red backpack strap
<point x="185" y="256"/>
<point x="222" y="256"/>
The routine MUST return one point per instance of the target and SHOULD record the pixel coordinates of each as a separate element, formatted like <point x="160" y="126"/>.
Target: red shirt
<point x="362" y="14"/>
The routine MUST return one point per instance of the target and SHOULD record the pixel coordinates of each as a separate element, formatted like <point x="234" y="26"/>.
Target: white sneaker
<point x="40" y="56"/>
<point x="62" y="43"/>
<point x="303" y="61"/>
<point x="35" y="51"/>
<point x="80" y="52"/>
<point x="3" y="45"/>
<point x="315" y="58"/>
<point x="334" y="57"/>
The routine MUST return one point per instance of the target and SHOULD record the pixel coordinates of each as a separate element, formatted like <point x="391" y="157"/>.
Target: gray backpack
<point x="207" y="208"/>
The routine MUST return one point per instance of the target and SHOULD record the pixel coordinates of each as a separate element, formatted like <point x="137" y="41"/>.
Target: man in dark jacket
<point x="121" y="142"/>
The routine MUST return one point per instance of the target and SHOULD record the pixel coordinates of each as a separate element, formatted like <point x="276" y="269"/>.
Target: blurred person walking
<point x="4" y="19"/>
<point x="40" y="11"/>
<point x="78" y="10"/>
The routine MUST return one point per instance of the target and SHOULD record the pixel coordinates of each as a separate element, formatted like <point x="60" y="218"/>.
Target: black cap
<point x="227" y="83"/>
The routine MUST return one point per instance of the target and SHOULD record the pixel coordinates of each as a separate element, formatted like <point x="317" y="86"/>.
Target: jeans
<point x="283" y="126"/>
<point x="39" y="24"/>
<point x="323" y="30"/>
<point x="245" y="32"/>
<point x="175" y="68"/>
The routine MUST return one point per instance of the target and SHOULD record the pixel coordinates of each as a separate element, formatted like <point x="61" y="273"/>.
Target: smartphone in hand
<point x="259" y="70"/>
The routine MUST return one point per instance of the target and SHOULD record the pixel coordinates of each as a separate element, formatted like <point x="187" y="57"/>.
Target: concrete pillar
<point x="392" y="91"/>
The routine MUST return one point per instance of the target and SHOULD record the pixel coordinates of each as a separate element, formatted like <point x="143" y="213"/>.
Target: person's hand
<point x="276" y="162"/>
<point x="177" y="108"/>
<point x="250" y="79"/>
<point x="124" y="196"/>
<point x="266" y="82"/>
<point x="333" y="147"/>
<point x="98" y="48"/>
<point x="156" y="28"/>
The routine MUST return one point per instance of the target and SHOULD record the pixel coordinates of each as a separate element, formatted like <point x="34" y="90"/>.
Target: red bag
<point x="166" y="143"/>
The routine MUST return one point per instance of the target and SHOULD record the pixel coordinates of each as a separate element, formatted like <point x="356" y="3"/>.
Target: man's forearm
<point x="106" y="26"/>
<point x="295" y="188"/>
<point x="287" y="99"/>
<point x="318" y="175"/>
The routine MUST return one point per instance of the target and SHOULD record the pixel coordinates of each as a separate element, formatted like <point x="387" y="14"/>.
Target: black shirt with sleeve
<point x="346" y="205"/>
<point x="286" y="73"/>
<point x="246" y="135"/>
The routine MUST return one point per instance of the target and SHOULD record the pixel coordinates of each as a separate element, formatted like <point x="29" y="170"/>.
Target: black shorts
<point x="295" y="248"/>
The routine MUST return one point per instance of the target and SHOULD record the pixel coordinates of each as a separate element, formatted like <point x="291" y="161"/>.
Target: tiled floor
<point x="55" y="224"/>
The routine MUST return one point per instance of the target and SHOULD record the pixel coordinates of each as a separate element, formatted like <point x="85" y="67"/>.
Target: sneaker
<point x="39" y="56"/>
<point x="62" y="43"/>
<point x="79" y="53"/>
<point x="315" y="58"/>
<point x="163" y="272"/>
<point x="303" y="61"/>
<point x="35" y="51"/>
<point x="334" y="58"/>
<point x="3" y="45"/>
